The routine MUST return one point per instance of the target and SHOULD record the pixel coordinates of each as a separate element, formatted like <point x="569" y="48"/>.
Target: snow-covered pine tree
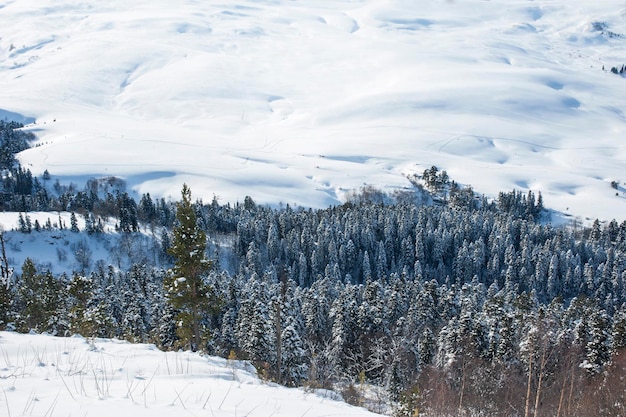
<point x="31" y="311"/>
<point x="294" y="356"/>
<point x="186" y="288"/>
<point x="74" y="223"/>
<point x="255" y="332"/>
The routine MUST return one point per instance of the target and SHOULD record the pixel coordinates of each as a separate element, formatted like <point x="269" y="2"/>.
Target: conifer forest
<point x="448" y="303"/>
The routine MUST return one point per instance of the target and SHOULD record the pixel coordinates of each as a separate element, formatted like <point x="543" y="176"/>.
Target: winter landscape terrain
<point x="301" y="102"/>
<point x="46" y="376"/>
<point x="448" y="302"/>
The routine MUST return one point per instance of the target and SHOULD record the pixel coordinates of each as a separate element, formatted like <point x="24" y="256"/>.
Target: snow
<point x="55" y="249"/>
<point x="51" y="376"/>
<point x="302" y="102"/>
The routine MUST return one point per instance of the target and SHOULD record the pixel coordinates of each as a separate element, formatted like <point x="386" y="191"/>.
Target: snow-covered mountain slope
<point x="51" y="376"/>
<point x="61" y="251"/>
<point x="301" y="101"/>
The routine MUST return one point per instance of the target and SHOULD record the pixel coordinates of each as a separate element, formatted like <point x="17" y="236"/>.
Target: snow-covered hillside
<point x="301" y="101"/>
<point x="64" y="251"/>
<point x="49" y="376"/>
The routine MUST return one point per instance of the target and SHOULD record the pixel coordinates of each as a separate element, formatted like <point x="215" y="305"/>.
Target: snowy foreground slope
<point x="303" y="101"/>
<point x="49" y="376"/>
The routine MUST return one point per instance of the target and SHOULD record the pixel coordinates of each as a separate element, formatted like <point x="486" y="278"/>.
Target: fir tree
<point x="186" y="289"/>
<point x="146" y="212"/>
<point x="84" y="316"/>
<point x="294" y="357"/>
<point x="40" y="296"/>
<point x="127" y="214"/>
<point x="74" y="223"/>
<point x="22" y="224"/>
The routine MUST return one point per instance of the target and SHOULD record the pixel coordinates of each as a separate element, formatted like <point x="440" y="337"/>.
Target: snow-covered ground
<point x="48" y="376"/>
<point x="62" y="251"/>
<point x="301" y="101"/>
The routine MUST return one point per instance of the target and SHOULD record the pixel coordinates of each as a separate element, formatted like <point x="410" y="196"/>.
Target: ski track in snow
<point x="301" y="102"/>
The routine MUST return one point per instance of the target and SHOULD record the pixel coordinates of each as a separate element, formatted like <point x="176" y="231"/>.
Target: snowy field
<point x="48" y="376"/>
<point x="302" y="101"/>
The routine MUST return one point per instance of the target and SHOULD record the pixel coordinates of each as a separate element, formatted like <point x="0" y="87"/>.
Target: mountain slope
<point x="300" y="102"/>
<point x="45" y="375"/>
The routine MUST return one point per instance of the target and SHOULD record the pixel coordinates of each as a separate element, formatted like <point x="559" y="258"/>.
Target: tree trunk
<point x="6" y="272"/>
<point x="558" y="411"/>
<point x="196" y="330"/>
<point x="194" y="318"/>
<point x="542" y="367"/>
<point x="462" y="388"/>
<point x="571" y="392"/>
<point x="528" y="389"/>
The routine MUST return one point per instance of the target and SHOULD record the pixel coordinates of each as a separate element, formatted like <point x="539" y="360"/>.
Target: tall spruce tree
<point x="187" y="291"/>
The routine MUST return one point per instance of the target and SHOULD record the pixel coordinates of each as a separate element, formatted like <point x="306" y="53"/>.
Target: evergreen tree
<point x="597" y="348"/>
<point x="146" y="211"/>
<point x="186" y="289"/>
<point x="32" y="310"/>
<point x="52" y="293"/>
<point x="165" y="325"/>
<point x="86" y="315"/>
<point x="41" y="300"/>
<point x="294" y="356"/>
<point x="5" y="303"/>
<point x="255" y="331"/>
<point x="618" y="333"/>
<point x="29" y="224"/>
<point x="74" y="223"/>
<point x="127" y="213"/>
<point x="23" y="227"/>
